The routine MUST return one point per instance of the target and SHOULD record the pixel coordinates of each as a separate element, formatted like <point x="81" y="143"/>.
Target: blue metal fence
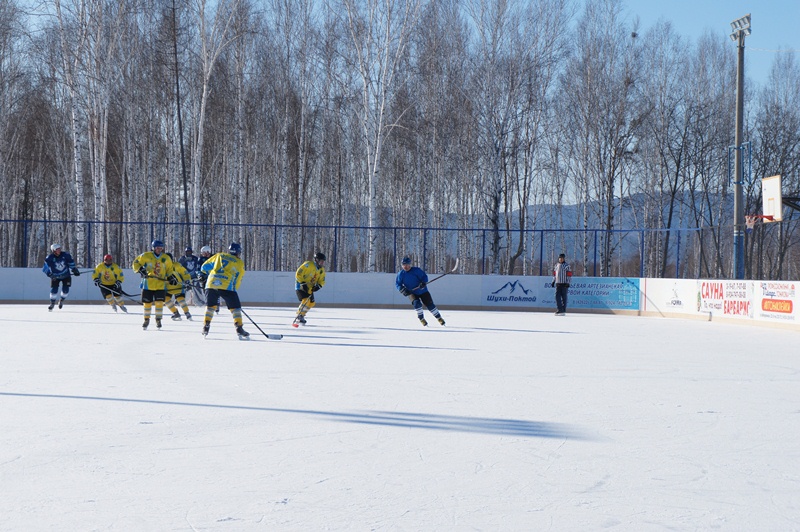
<point x="679" y="253"/>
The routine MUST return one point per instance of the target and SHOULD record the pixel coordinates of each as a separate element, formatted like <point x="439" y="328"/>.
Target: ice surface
<point x="364" y="420"/>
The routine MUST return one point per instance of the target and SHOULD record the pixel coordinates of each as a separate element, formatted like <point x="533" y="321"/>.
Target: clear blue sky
<point x="775" y="25"/>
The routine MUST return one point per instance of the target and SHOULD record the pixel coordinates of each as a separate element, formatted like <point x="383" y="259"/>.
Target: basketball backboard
<point x="772" y="198"/>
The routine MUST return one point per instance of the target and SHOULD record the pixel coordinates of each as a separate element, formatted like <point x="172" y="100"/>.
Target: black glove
<point x="553" y="284"/>
<point x="49" y="274"/>
<point x="304" y="288"/>
<point x="142" y="271"/>
<point x="97" y="282"/>
<point x="421" y="286"/>
<point x="316" y="287"/>
<point x="173" y="280"/>
<point x="202" y="276"/>
<point x="75" y="272"/>
<point x="404" y="291"/>
<point x="118" y="287"/>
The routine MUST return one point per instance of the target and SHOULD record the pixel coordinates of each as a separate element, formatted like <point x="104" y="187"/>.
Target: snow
<point x="363" y="420"/>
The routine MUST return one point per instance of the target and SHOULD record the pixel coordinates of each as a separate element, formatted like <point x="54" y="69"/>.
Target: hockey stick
<point x="455" y="267"/>
<point x="270" y="336"/>
<point x="123" y="293"/>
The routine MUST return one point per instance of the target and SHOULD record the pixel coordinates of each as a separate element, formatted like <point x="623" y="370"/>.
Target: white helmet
<point x="205" y="249"/>
<point x="55" y="247"/>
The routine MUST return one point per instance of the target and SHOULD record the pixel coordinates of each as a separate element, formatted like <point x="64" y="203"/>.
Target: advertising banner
<point x="776" y="300"/>
<point x="611" y="293"/>
<point x="729" y="299"/>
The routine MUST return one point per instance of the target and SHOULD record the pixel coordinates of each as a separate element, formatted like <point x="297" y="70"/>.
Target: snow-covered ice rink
<point x="363" y="420"/>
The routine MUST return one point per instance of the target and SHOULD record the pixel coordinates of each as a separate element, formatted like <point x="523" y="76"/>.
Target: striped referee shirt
<point x="562" y="273"/>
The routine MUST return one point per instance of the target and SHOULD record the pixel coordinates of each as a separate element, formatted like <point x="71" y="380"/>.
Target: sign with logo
<point x="776" y="300"/>
<point x="513" y="291"/>
<point x="585" y="292"/>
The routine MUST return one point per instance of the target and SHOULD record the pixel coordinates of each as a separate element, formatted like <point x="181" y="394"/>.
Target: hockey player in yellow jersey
<point x="156" y="268"/>
<point x="108" y="277"/>
<point x="309" y="278"/>
<point x="176" y="292"/>
<point x="224" y="273"/>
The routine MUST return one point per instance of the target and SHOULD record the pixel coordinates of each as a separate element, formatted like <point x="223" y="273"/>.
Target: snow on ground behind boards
<point x="364" y="420"/>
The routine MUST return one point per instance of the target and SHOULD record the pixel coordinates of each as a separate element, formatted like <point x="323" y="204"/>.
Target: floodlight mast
<point x="741" y="28"/>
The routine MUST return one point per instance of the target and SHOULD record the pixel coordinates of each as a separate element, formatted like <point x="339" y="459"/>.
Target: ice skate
<point x="243" y="335"/>
<point x="123" y="309"/>
<point x="441" y="321"/>
<point x="158" y="323"/>
<point x="145" y="324"/>
<point x="52" y="304"/>
<point x="206" y="327"/>
<point x="61" y="302"/>
<point x="423" y="322"/>
<point x="188" y="316"/>
<point x="176" y="317"/>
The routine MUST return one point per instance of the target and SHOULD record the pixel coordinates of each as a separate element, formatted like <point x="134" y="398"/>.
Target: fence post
<point x="425" y="249"/>
<point x="541" y="252"/>
<point x="89" y="243"/>
<point x="335" y="246"/>
<point x="25" y="243"/>
<point x="641" y="253"/>
<point x="483" y="254"/>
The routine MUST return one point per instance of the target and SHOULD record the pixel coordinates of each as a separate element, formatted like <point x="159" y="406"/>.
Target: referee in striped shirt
<point x="561" y="277"/>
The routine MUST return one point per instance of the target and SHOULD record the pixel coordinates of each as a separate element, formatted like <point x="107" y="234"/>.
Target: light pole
<point x="741" y="28"/>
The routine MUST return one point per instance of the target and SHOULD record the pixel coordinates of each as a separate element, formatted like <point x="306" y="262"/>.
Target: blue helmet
<point x="235" y="248"/>
<point x="406" y="260"/>
<point x="156" y="244"/>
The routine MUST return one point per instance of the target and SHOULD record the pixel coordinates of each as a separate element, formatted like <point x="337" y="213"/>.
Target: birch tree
<point x="379" y="32"/>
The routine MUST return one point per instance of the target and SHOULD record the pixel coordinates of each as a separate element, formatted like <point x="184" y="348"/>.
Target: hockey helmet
<point x="156" y="244"/>
<point x="319" y="256"/>
<point x="188" y="249"/>
<point x="55" y="247"/>
<point x="205" y="249"/>
<point x="107" y="258"/>
<point x="406" y="260"/>
<point x="235" y="248"/>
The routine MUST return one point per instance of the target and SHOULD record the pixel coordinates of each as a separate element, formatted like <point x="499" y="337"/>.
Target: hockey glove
<point x="421" y="286"/>
<point x="316" y="287"/>
<point x="97" y="282"/>
<point x="405" y="291"/>
<point x="553" y="284"/>
<point x="118" y="287"/>
<point x="143" y="272"/>
<point x="304" y="288"/>
<point x="173" y="280"/>
<point x="76" y="272"/>
<point x="49" y="274"/>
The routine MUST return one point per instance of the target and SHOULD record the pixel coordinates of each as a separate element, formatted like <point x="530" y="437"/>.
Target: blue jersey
<point x="191" y="263"/>
<point x="58" y="266"/>
<point x="411" y="280"/>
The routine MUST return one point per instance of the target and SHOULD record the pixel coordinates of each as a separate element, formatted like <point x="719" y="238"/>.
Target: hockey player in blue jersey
<point x="411" y="282"/>
<point x="60" y="268"/>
